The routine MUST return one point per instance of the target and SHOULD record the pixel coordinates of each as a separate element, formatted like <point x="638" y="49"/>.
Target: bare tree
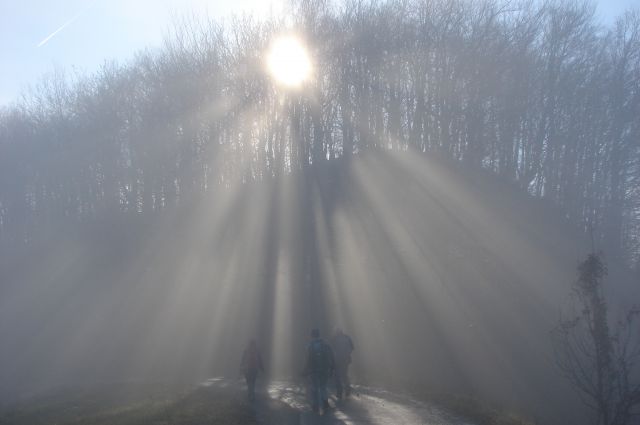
<point x="600" y="362"/>
<point x="536" y="92"/>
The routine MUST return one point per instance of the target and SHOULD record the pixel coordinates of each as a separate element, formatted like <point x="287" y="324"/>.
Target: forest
<point x="430" y="187"/>
<point x="538" y="92"/>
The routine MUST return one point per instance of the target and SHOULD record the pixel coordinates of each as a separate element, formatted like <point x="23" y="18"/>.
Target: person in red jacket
<point x="251" y="365"/>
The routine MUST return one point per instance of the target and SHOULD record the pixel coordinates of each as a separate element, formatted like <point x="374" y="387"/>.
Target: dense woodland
<point x="539" y="92"/>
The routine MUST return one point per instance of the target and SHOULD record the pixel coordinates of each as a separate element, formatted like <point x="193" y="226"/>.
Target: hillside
<point x="448" y="280"/>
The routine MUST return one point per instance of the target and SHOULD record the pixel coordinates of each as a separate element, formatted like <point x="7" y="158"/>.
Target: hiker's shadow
<point x="345" y="412"/>
<point x="310" y="418"/>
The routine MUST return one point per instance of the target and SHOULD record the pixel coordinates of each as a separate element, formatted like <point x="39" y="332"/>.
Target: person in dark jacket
<point x="319" y="367"/>
<point x="251" y="365"/>
<point x="342" y="348"/>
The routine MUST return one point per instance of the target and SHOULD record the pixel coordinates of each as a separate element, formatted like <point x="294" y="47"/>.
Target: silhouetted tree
<point x="599" y="361"/>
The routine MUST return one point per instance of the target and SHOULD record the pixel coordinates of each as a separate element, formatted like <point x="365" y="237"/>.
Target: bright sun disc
<point x="288" y="61"/>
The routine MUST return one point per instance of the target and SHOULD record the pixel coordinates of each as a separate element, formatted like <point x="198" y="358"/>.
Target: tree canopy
<point x="537" y="92"/>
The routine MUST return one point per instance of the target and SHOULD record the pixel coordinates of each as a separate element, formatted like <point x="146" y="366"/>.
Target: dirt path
<point x="286" y="404"/>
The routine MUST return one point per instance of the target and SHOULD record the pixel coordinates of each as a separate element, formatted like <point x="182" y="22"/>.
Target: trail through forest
<point x="286" y="403"/>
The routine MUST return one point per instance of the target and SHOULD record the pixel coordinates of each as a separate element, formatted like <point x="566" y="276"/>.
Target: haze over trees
<point x="156" y="214"/>
<point x="537" y="92"/>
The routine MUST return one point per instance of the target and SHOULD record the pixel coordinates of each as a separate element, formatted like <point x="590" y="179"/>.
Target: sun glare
<point x="288" y="61"/>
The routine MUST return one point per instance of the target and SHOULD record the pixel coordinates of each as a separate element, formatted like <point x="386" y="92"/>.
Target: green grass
<point x="124" y="405"/>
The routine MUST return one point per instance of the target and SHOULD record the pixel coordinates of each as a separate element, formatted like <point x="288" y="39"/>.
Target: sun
<point x="288" y="61"/>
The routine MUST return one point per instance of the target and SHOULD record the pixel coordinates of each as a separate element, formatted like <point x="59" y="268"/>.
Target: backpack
<point x="342" y="348"/>
<point x="319" y="357"/>
<point x="251" y="360"/>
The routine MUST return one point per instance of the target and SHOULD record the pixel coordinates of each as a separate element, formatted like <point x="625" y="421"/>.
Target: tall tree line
<point x="536" y="91"/>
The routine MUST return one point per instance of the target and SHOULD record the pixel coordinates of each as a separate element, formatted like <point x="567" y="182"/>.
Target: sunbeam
<point x="385" y="201"/>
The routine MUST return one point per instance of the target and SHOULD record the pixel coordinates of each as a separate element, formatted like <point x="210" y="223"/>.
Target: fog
<point x="431" y="194"/>
<point x="451" y="284"/>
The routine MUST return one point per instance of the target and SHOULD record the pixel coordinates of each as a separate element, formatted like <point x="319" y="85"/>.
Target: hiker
<point x="250" y="366"/>
<point x="342" y="348"/>
<point x="319" y="367"/>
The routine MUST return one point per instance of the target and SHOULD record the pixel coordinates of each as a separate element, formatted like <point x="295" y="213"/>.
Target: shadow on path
<point x="285" y="403"/>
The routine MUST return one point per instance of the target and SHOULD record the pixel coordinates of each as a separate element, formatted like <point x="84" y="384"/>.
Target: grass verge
<point x="124" y="405"/>
<point x="477" y="411"/>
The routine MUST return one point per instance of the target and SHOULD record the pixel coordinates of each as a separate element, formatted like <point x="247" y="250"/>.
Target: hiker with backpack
<point x="251" y="365"/>
<point x="342" y="349"/>
<point x="319" y="367"/>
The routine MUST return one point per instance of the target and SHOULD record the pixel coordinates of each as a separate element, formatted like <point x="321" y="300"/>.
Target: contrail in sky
<point x="66" y="24"/>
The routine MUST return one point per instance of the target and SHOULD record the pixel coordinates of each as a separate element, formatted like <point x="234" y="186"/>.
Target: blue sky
<point x="99" y="30"/>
